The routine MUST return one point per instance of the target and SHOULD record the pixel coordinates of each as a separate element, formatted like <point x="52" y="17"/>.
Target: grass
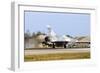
<point x="56" y="56"/>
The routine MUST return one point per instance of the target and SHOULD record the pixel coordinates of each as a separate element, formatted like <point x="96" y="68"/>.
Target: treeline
<point x="29" y="35"/>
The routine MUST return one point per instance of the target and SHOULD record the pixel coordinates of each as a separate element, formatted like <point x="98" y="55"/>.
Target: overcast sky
<point x="62" y="23"/>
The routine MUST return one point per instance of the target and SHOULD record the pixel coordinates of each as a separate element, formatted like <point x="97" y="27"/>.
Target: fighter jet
<point x="53" y="40"/>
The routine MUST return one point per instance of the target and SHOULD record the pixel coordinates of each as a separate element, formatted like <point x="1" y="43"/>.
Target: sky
<point x="73" y="24"/>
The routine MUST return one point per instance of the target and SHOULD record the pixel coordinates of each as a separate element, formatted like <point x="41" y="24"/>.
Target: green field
<point x="56" y="56"/>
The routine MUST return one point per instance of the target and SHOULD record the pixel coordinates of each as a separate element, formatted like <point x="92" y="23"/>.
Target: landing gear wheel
<point x="64" y="45"/>
<point x="53" y="45"/>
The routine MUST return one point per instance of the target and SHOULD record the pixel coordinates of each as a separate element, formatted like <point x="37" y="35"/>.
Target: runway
<point x="60" y="50"/>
